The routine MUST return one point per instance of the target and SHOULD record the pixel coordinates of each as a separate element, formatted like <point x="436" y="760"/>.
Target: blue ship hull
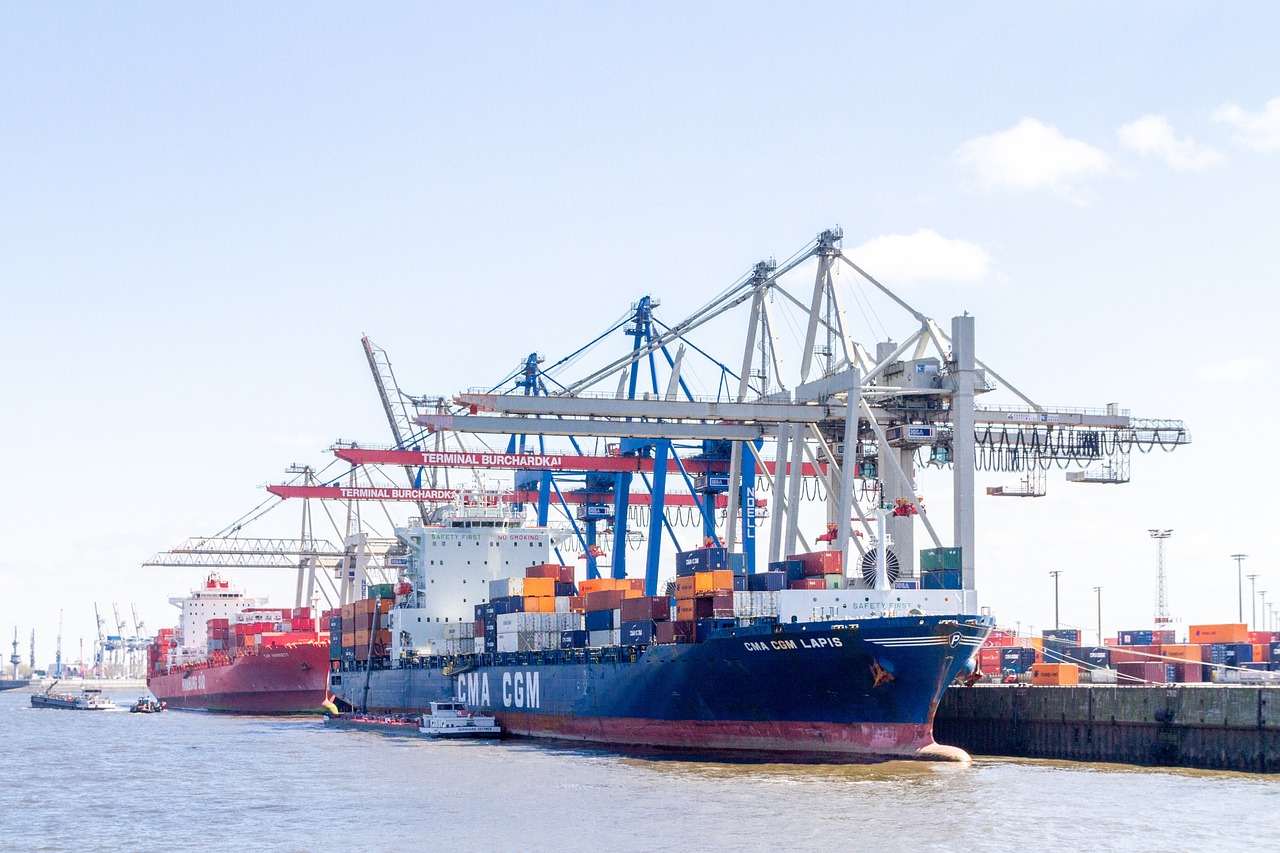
<point x="857" y="689"/>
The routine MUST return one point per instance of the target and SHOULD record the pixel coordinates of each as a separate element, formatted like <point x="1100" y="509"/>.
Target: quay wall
<point x="1218" y="727"/>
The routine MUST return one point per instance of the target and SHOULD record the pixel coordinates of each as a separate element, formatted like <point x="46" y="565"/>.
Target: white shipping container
<point x="755" y="604"/>
<point x="595" y="639"/>
<point x="509" y="623"/>
<point x="562" y="604"/>
<point x="505" y="587"/>
<point x="509" y="642"/>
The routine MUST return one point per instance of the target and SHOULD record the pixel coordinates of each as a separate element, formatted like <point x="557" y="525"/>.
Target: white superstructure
<point x="450" y="565"/>
<point x="215" y="599"/>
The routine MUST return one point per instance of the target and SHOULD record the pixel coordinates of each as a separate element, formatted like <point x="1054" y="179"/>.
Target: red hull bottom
<point x="285" y="681"/>
<point x="835" y="741"/>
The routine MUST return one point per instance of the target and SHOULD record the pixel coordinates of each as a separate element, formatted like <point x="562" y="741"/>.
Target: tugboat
<point x="147" y="705"/>
<point x="90" y="699"/>
<point x="453" y="720"/>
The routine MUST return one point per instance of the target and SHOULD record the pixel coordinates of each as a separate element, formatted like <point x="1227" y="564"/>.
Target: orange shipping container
<point x="685" y="609"/>
<point x="1225" y="633"/>
<point x="594" y="585"/>
<point x="1055" y="674"/>
<point x="1261" y="652"/>
<point x="717" y="581"/>
<point x="686" y="587"/>
<point x="1182" y="652"/>
<point x="539" y="587"/>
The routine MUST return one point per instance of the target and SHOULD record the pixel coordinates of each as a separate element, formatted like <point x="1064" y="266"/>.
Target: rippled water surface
<point x="193" y="781"/>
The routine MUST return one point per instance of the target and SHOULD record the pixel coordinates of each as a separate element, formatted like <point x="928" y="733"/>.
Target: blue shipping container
<point x="509" y="604"/>
<point x="1239" y="654"/>
<point x="600" y="620"/>
<point x="637" y="633"/>
<point x="1275" y="652"/>
<point x="1136" y="638"/>
<point x="770" y="581"/>
<point x="1017" y="658"/>
<point x="940" y="579"/>
<point x="573" y="639"/>
<point x="794" y="569"/>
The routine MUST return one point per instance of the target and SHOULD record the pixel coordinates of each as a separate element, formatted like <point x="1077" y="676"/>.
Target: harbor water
<point x="110" y="780"/>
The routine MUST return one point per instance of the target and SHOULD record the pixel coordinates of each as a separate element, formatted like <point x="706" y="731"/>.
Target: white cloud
<point x="1031" y="156"/>
<point x="1234" y="372"/>
<point x="1152" y="136"/>
<point x="1260" y="130"/>
<point x="923" y="256"/>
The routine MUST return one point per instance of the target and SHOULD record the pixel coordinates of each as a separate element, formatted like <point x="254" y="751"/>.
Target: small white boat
<point x="453" y="720"/>
<point x="89" y="699"/>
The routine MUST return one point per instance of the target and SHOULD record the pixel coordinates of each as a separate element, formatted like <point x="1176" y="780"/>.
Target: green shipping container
<point x="940" y="558"/>
<point x="381" y="590"/>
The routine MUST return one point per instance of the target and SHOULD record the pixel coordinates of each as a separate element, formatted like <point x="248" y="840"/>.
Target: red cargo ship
<point x="232" y="653"/>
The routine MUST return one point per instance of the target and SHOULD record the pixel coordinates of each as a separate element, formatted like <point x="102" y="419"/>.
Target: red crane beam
<point x="535" y="461"/>
<point x="394" y="493"/>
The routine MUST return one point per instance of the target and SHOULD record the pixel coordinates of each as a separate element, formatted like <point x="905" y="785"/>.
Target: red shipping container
<point x="1133" y="654"/>
<point x="674" y="632"/>
<point x="655" y="607"/>
<point x="810" y="583"/>
<point x="1258" y="638"/>
<point x="1189" y="673"/>
<point x="999" y="639"/>
<point x="828" y="562"/>
<point x="577" y="603"/>
<point x="544" y="571"/>
<point x="814" y="570"/>
<point x="605" y="599"/>
<point x="1141" y="673"/>
<point x="477" y="629"/>
<point x="989" y="658"/>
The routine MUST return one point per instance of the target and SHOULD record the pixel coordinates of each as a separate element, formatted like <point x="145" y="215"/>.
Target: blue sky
<point x="206" y="207"/>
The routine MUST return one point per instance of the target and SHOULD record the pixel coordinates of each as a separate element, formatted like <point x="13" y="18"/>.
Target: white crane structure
<point x="336" y="574"/>
<point x="815" y="405"/>
<point x="858" y="411"/>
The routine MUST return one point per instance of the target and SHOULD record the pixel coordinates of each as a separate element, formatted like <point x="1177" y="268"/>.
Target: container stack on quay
<point x="1222" y="653"/>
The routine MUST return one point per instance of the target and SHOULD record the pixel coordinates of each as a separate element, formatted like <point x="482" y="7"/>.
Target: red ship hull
<point x="288" y="680"/>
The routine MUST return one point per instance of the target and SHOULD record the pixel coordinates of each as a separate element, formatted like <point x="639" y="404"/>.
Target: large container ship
<point x="233" y="653"/>
<point x="795" y="660"/>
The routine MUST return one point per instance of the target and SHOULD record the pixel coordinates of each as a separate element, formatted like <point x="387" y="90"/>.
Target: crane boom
<point x="385" y="379"/>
